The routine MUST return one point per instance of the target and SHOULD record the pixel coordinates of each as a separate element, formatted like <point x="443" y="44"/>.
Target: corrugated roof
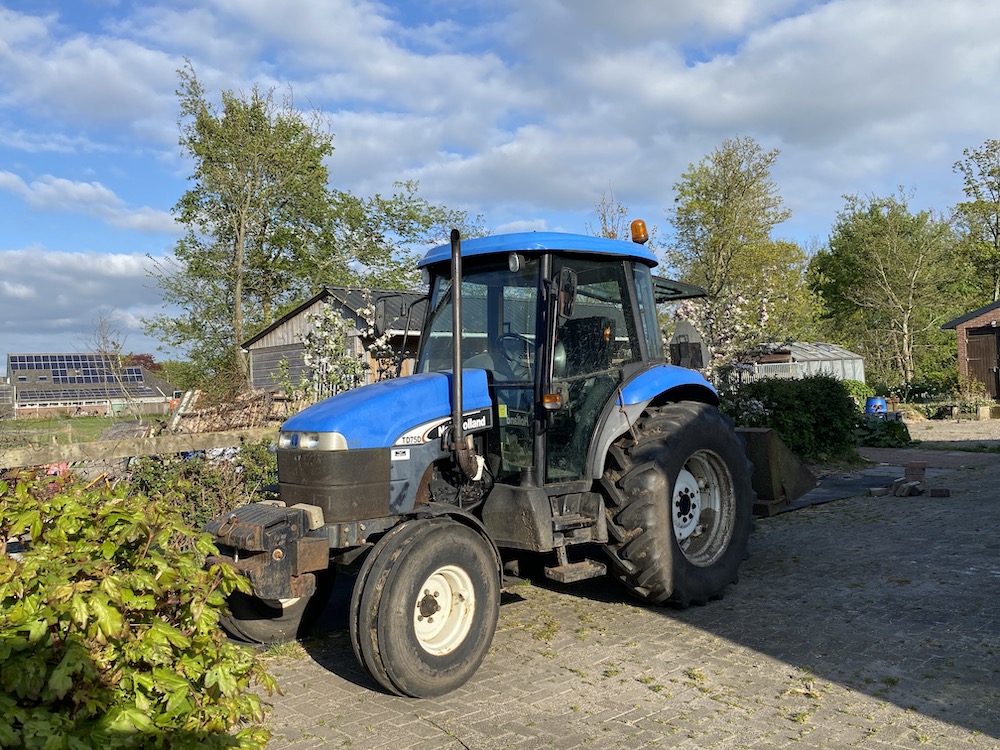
<point x="802" y="351"/>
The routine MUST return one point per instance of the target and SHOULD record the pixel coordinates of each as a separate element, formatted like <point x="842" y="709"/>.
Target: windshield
<point x="499" y="311"/>
<point x="499" y="315"/>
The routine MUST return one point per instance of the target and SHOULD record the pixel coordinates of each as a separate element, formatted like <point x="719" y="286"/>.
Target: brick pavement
<point x="865" y="622"/>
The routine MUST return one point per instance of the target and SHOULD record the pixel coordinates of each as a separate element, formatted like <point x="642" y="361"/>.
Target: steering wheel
<point x="517" y="349"/>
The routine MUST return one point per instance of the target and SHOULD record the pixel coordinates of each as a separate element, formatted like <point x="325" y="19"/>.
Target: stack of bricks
<point x="911" y="483"/>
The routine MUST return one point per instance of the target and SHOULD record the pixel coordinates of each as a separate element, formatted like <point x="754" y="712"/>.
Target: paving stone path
<point x="860" y="623"/>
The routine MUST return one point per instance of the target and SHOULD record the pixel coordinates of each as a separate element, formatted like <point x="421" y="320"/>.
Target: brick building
<point x="979" y="346"/>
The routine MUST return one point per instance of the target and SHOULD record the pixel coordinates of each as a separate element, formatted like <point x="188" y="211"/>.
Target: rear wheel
<point x="267" y="621"/>
<point x="680" y="505"/>
<point x="425" y="607"/>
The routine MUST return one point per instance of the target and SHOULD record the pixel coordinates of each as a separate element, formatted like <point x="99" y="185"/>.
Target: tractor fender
<point x="440" y="510"/>
<point x="655" y="385"/>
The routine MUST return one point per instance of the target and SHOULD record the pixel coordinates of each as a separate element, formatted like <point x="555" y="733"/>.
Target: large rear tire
<point x="679" y="504"/>
<point x="425" y="607"/>
<point x="260" y="621"/>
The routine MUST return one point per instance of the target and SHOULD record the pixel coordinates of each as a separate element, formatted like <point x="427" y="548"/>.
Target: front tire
<point x="259" y="621"/>
<point x="679" y="504"/>
<point x="425" y="607"/>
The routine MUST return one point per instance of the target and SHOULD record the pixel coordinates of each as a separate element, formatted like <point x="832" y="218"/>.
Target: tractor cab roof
<point x="540" y="242"/>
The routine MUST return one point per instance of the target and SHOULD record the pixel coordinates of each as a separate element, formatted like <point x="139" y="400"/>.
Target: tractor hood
<point x="375" y="416"/>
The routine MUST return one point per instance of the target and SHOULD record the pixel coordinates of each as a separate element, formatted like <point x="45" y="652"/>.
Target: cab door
<point x="590" y="349"/>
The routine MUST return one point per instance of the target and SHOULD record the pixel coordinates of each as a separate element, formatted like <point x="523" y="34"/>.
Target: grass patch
<point x="27" y="433"/>
<point x="290" y="650"/>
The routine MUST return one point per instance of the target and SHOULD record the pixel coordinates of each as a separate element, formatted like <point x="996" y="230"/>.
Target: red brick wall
<point x="992" y="317"/>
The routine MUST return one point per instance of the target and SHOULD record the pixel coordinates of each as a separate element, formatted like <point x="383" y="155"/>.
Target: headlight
<point x="309" y="441"/>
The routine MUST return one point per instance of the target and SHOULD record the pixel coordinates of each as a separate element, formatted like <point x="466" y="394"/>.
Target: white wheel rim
<point x="443" y="612"/>
<point x="686" y="506"/>
<point x="703" y="509"/>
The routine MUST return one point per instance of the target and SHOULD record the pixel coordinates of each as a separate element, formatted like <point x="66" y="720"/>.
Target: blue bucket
<point x="875" y="406"/>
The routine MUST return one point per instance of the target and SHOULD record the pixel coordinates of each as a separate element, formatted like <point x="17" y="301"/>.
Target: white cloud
<point x="59" y="195"/>
<point x="17" y="291"/>
<point x="54" y="301"/>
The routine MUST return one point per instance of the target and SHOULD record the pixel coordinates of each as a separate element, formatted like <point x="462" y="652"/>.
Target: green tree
<point x="888" y="280"/>
<point x="259" y="201"/>
<point x="371" y="241"/>
<point x="725" y="210"/>
<point x="978" y="217"/>
<point x="181" y="374"/>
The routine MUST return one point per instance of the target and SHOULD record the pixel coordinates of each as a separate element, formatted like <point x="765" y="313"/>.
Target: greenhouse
<point x="800" y="359"/>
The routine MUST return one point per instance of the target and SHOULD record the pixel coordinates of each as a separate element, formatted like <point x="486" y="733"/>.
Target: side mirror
<point x="380" y="322"/>
<point x="566" y="289"/>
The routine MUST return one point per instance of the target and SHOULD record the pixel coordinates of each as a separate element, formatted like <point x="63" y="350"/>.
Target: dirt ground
<point x="956" y="434"/>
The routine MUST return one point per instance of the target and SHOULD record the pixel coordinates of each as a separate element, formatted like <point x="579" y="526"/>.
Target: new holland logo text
<point x="474" y="423"/>
<point x="517" y="419"/>
<point x="429" y="431"/>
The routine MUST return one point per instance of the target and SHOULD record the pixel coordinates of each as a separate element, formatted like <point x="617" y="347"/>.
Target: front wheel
<point x="680" y="505"/>
<point x="264" y="621"/>
<point x="425" y="607"/>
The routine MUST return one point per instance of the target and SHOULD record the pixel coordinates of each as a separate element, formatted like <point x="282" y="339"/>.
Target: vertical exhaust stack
<point x="457" y="431"/>
<point x="468" y="461"/>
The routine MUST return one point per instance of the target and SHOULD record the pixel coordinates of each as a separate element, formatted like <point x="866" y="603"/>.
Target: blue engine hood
<point x="373" y="416"/>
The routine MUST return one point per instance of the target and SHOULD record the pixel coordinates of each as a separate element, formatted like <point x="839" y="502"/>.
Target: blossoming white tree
<point x="335" y="356"/>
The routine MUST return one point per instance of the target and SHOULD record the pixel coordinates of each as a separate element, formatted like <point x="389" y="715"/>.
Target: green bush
<point x="201" y="488"/>
<point x="881" y="433"/>
<point x="859" y="391"/>
<point x="814" y="416"/>
<point x="109" y="636"/>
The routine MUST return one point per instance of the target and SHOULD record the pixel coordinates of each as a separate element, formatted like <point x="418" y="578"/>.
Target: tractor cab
<point x="558" y="329"/>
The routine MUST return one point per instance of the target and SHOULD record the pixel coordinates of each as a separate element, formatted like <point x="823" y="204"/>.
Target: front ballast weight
<point x="271" y="546"/>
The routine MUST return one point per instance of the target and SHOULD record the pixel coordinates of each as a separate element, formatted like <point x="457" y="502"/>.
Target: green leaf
<point x="223" y="678"/>
<point x="126" y="721"/>
<point x="178" y="701"/>
<point x="37" y="630"/>
<point x="174" y="636"/>
<point x="109" y="620"/>
<point x="168" y="681"/>
<point x="78" y="610"/>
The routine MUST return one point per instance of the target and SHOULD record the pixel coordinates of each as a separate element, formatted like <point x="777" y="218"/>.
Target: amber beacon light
<point x="639" y="233"/>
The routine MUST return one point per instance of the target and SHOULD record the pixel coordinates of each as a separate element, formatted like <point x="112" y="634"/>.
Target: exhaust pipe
<point x="457" y="431"/>
<point x="469" y="462"/>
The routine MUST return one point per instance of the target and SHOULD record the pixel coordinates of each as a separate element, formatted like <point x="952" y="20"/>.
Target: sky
<point x="525" y="112"/>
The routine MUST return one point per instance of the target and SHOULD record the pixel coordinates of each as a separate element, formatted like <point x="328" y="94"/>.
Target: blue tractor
<point x="550" y="429"/>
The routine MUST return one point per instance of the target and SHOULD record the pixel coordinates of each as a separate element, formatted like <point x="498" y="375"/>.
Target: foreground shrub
<point x="814" y="416"/>
<point x="201" y="487"/>
<point x="109" y="633"/>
